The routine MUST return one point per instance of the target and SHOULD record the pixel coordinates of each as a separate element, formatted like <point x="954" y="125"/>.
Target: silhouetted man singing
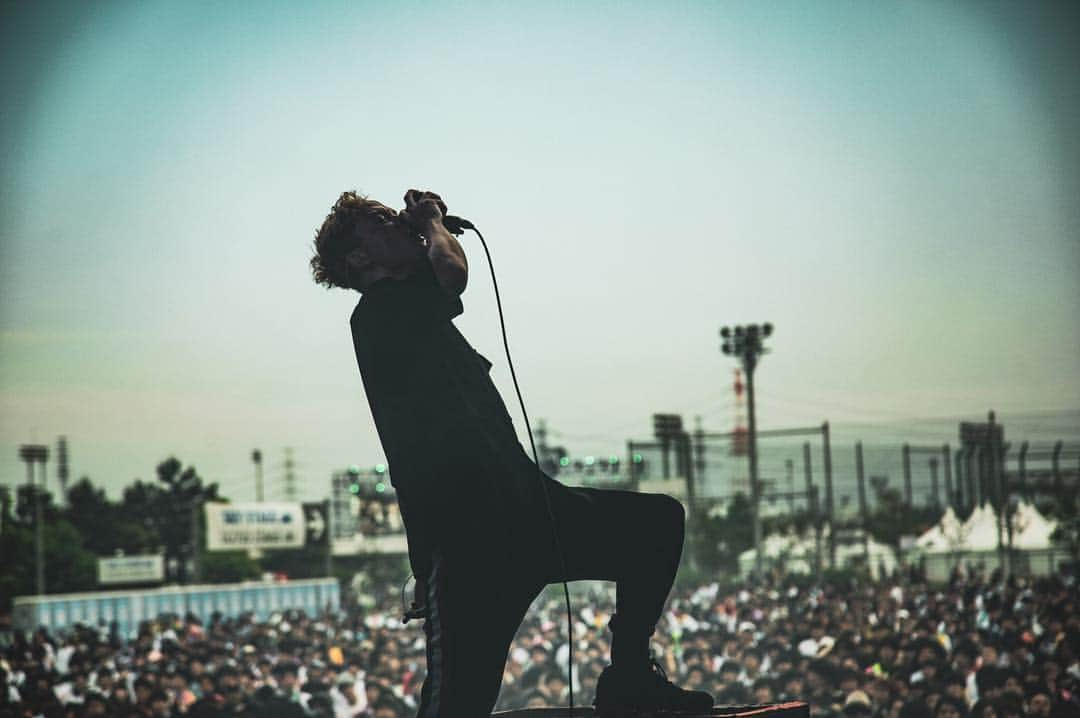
<point x="479" y="534"/>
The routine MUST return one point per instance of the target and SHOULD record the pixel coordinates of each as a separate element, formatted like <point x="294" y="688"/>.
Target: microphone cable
<point x="465" y="224"/>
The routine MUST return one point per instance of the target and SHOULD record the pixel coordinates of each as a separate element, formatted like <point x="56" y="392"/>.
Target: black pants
<point x="480" y="587"/>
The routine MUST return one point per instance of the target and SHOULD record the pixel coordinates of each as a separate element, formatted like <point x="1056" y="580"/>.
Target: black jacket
<point x="460" y="474"/>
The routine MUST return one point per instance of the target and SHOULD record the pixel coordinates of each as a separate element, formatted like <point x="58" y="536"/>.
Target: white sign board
<point x="254" y="525"/>
<point x="147" y="568"/>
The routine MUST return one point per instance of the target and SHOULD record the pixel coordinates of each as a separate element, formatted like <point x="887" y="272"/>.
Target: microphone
<point x="456" y="225"/>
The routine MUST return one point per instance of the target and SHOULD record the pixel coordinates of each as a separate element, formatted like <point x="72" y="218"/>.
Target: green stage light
<point x="380" y="468"/>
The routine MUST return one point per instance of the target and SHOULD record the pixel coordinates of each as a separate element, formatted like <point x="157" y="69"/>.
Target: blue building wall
<point x="129" y="608"/>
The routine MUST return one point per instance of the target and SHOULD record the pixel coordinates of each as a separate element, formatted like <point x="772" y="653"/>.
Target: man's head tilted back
<point x="362" y="241"/>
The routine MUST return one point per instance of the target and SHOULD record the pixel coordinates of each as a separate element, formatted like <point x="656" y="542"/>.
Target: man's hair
<point x="337" y="237"/>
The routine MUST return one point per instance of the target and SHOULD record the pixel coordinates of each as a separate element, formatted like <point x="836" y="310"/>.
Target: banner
<point x="254" y="525"/>
<point x="145" y="568"/>
<point x="316" y="523"/>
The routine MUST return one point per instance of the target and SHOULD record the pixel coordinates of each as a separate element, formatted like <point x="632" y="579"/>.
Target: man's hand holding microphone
<point x="425" y="212"/>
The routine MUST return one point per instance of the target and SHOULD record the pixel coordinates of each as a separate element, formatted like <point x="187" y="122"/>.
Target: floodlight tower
<point x="36" y="454"/>
<point x="745" y="343"/>
<point x="256" y="458"/>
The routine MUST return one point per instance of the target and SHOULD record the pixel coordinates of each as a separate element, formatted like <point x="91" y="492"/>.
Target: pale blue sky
<point x="893" y="185"/>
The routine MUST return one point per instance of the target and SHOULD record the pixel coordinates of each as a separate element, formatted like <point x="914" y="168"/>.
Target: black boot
<point x="646" y="691"/>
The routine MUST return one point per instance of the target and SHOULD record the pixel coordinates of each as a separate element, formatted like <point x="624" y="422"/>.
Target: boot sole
<point x="792" y="709"/>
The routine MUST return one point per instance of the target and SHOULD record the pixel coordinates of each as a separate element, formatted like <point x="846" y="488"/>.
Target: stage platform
<point x="775" y="710"/>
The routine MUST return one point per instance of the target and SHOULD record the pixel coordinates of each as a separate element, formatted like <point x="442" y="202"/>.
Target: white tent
<point x="978" y="533"/>
<point x="947" y="535"/>
<point x="797" y="553"/>
<point x="952" y="529"/>
<point x="981" y="529"/>
<point x="881" y="556"/>
<point x="932" y="538"/>
<point x="1030" y="529"/>
<point x="977" y="543"/>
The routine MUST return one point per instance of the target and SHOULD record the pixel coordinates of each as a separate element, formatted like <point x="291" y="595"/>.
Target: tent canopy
<point x="1031" y="531"/>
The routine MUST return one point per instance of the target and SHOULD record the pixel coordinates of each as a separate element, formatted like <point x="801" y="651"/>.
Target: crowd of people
<point x="976" y="648"/>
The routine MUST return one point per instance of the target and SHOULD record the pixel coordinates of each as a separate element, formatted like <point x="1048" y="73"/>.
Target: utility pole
<point x="541" y="433"/>
<point x="37" y="454"/>
<point x="256" y="458"/>
<point x="963" y="497"/>
<point x="830" y="505"/>
<point x="1055" y="467"/>
<point x="330" y="535"/>
<point x="812" y="508"/>
<point x="907" y="477"/>
<point x="789" y="467"/>
<point x="946" y="467"/>
<point x="196" y="537"/>
<point x="745" y="343"/>
<point x="62" y="473"/>
<point x="1021" y="469"/>
<point x="668" y="431"/>
<point x="997" y="495"/>
<point x="290" y="476"/>
<point x="935" y="501"/>
<point x="699" y="452"/>
<point x="863" y="519"/>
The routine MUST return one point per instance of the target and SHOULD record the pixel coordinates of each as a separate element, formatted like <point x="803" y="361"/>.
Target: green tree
<point x="69" y="567"/>
<point x="892" y="518"/>
<point x="168" y="507"/>
<point x="1066" y="510"/>
<point x="105" y="526"/>
<point x="26" y="504"/>
<point x="228" y="567"/>
<point x="6" y="502"/>
<point x="718" y="538"/>
<point x="304" y="562"/>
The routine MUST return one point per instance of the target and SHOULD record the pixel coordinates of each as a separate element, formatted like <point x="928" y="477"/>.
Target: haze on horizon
<point x="893" y="185"/>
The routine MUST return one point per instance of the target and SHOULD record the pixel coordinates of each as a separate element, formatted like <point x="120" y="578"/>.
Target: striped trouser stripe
<point x="435" y="642"/>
